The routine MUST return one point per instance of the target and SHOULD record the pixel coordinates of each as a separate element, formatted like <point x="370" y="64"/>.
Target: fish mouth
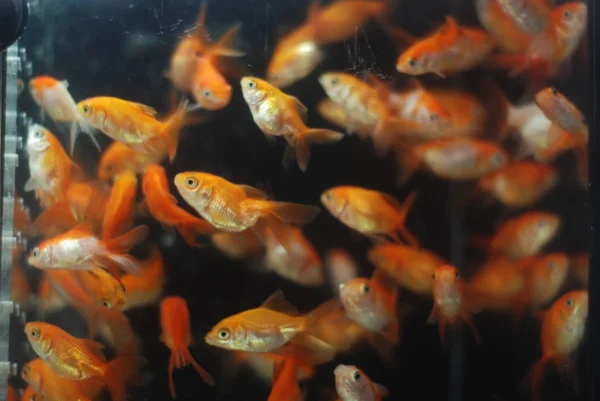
<point x="210" y="341"/>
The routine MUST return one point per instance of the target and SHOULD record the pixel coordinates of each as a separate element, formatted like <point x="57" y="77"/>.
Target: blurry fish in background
<point x="119" y="209"/>
<point x="352" y="384"/>
<point x="145" y="288"/>
<point x="22" y="218"/>
<point x="530" y="16"/>
<point x="176" y="334"/>
<point x="279" y="114"/>
<point x="285" y="383"/>
<point x="48" y="299"/>
<point x="508" y="36"/>
<point x="240" y="246"/>
<point x="118" y="157"/>
<point x="377" y="215"/>
<point x="54" y="98"/>
<point x="341" y="268"/>
<point x="262" y="364"/>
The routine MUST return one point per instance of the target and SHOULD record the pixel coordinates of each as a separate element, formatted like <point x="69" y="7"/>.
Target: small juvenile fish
<point x="266" y="328"/>
<point x="79" y="359"/>
<point x="233" y="208"/>
<point x="279" y="114"/>
<point x="352" y="384"/>
<point x="285" y="383"/>
<point x="78" y="248"/>
<point x="520" y="184"/>
<point x="176" y="334"/>
<point x="54" y="98"/>
<point x="563" y="326"/>
<point x="451" y="301"/>
<point x="118" y="213"/>
<point x="412" y="268"/>
<point x="524" y="235"/>
<point x="371" y="213"/>
<point x="163" y="206"/>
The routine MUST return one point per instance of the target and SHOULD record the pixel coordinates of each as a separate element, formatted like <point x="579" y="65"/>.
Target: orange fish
<point x="451" y="49"/>
<point x="28" y="394"/>
<point x="497" y="283"/>
<point x="118" y="213"/>
<point x="119" y="157"/>
<point x="79" y="359"/>
<point x="11" y="393"/>
<point x="580" y="267"/>
<point x="564" y="114"/>
<point x="78" y="248"/>
<point x="232" y="207"/>
<point x="176" y="334"/>
<point x="54" y="98"/>
<point x="285" y="381"/>
<point x="520" y="184"/>
<point x="563" y="326"/>
<point x="293" y="257"/>
<point x="508" y="37"/>
<point x="163" y="206"/>
<point x="545" y="276"/>
<point x="352" y="384"/>
<point x="145" y="288"/>
<point x="279" y="114"/>
<point x="529" y="16"/>
<point x="242" y="245"/>
<point x="49" y="300"/>
<point x="262" y="365"/>
<point x="341" y="267"/>
<point x="337" y="114"/>
<point x="524" y="235"/>
<point x="453" y="158"/>
<point x="412" y="268"/>
<point x="451" y="301"/>
<point x="134" y="124"/>
<point x="371" y="213"/>
<point x="50" y="167"/>
<point x="103" y="287"/>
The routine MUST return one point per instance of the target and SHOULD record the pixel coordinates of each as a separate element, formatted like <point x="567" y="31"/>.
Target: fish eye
<point x="334" y="81"/>
<point x="34" y="333"/>
<point x="108" y="167"/>
<point x="86" y="108"/>
<point x="38" y="133"/>
<point x="552" y="265"/>
<point x="106" y="303"/>
<point x="191" y="182"/>
<point x="568" y="14"/>
<point x="328" y="196"/>
<point x="554" y="92"/>
<point x="251" y="84"/>
<point x="434" y="117"/>
<point x="498" y="158"/>
<point x="412" y="62"/>
<point x="364" y="288"/>
<point x="35" y="252"/>
<point x="356" y="375"/>
<point x="224" y="334"/>
<point x="207" y="93"/>
<point x="569" y="302"/>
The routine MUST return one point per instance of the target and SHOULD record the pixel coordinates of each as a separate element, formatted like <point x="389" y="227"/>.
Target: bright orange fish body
<point x="176" y="334"/>
<point x="285" y="382"/>
<point x="509" y="38"/>
<point x="118" y="157"/>
<point x="145" y="288"/>
<point x="118" y="213"/>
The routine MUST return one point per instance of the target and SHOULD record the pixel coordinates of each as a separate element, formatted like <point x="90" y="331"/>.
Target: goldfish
<point x="451" y="49"/>
<point x="507" y="35"/>
<point x="562" y="112"/>
<point x="79" y="359"/>
<point x="22" y="218"/>
<point x="341" y="267"/>
<point x="118" y="212"/>
<point x="336" y="114"/>
<point x="51" y="386"/>
<point x="293" y="257"/>
<point x="520" y="184"/>
<point x="279" y="114"/>
<point x="49" y="300"/>
<point x="232" y="207"/>
<point x="285" y="383"/>
<point x="241" y="245"/>
<point x="28" y="394"/>
<point x="20" y="289"/>
<point x="54" y="98"/>
<point x="163" y="206"/>
<point x="50" y="167"/>
<point x="497" y="283"/>
<point x="530" y="16"/>
<point x="176" y="334"/>
<point x="266" y="328"/>
<point x="119" y="157"/>
<point x="451" y="300"/>
<point x="11" y="393"/>
<point x="453" y="158"/>
<point x="103" y="287"/>
<point x="145" y="288"/>
<point x="524" y="235"/>
<point x="563" y="326"/>
<point x="372" y="304"/>
<point x="580" y="267"/>
<point x="545" y="276"/>
<point x="352" y="384"/>
<point x="133" y="124"/>
<point x="532" y="129"/>
<point x="78" y="248"/>
<point x="371" y="213"/>
<point x="412" y="268"/>
<point x="263" y="365"/>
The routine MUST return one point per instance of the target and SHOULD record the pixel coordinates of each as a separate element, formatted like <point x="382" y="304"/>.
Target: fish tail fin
<point x="185" y="358"/>
<point x="325" y="310"/>
<point x="224" y="46"/>
<point x="284" y="211"/>
<point x="401" y="219"/>
<point x="118" y="371"/>
<point x="535" y="375"/>
<point x="559" y="140"/>
<point x="171" y="129"/>
<point x="309" y="137"/>
<point x="469" y="321"/>
<point x="115" y="250"/>
<point x="408" y="163"/>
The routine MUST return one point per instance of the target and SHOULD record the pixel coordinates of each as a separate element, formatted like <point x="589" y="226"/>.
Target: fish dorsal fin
<point x="382" y="87"/>
<point x="254" y="193"/>
<point x="381" y="389"/>
<point x="64" y="83"/>
<point x="95" y="348"/>
<point x="276" y="302"/>
<point x="84" y="228"/>
<point x="299" y="107"/>
<point x="451" y="29"/>
<point x="277" y="369"/>
<point x="150" y="111"/>
<point x="314" y="10"/>
<point x="200" y="28"/>
<point x="224" y="46"/>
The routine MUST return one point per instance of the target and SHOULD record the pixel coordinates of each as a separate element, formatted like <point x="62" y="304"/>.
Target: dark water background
<point x="121" y="48"/>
